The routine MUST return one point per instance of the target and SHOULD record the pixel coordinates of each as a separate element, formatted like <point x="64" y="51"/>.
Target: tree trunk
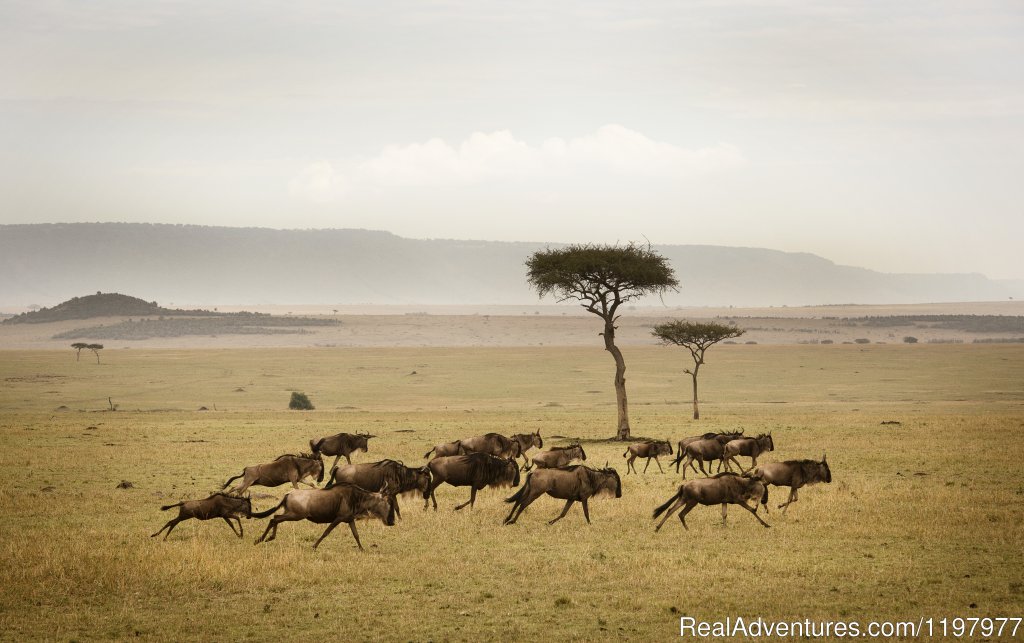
<point x="622" y="430"/>
<point x="696" y="409"/>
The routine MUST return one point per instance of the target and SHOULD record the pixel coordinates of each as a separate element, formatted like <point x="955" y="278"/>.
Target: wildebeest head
<point x="771" y="442"/>
<point x="238" y="505"/>
<point x="510" y="473"/>
<point x="583" y="454"/>
<point x="537" y="440"/>
<point x="609" y="481"/>
<point x="826" y="473"/>
<point x="423" y="481"/>
<point x="662" y="447"/>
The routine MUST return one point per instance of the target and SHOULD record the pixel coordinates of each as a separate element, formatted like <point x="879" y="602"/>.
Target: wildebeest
<point x="341" y="503"/>
<point x="648" y="449"/>
<point x="218" y="505"/>
<point x="526" y="442"/>
<point x="724" y="438"/>
<point x="375" y="476"/>
<point x="341" y="444"/>
<point x="701" y="451"/>
<point x="750" y="447"/>
<point x="286" y="468"/>
<point x="559" y="456"/>
<point x="577" y="483"/>
<point x="724" y="488"/>
<point x="446" y="449"/>
<point x="473" y="470"/>
<point x="495" y="444"/>
<point x="794" y="474"/>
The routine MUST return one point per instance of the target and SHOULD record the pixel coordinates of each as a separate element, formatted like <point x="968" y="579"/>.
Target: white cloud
<point x="499" y="156"/>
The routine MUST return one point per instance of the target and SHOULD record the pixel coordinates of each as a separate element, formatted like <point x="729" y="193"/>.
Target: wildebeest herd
<point x="371" y="490"/>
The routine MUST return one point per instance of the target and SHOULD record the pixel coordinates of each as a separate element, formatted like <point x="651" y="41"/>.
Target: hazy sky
<point x="888" y="135"/>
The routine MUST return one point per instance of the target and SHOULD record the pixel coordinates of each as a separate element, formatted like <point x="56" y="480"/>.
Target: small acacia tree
<point x="78" y="346"/>
<point x="602" y="278"/>
<point x="95" y="348"/>
<point x="697" y="338"/>
<point x="300" y="402"/>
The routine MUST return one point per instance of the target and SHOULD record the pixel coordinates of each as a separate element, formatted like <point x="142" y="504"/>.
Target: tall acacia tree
<point x="697" y="338"/>
<point x="602" y="278"/>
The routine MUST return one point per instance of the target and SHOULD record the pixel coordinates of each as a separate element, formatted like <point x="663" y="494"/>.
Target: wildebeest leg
<point x="472" y="498"/>
<point x="586" y="510"/>
<point x="700" y="461"/>
<point x="172" y="523"/>
<point x="792" y="499"/>
<point x="329" y="529"/>
<point x="336" y="458"/>
<point x="355" y="534"/>
<point x="398" y="512"/>
<point x="753" y="511"/>
<point x="350" y="462"/>
<point x="671" y="510"/>
<point x="682" y="515"/>
<point x="725" y="512"/>
<point x="232" y="525"/>
<point x="657" y="462"/>
<point x="565" y="510"/>
<point x="270" y="525"/>
<point x="239" y="521"/>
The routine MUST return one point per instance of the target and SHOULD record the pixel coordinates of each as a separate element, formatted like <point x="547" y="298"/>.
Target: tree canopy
<point x="601" y="276"/>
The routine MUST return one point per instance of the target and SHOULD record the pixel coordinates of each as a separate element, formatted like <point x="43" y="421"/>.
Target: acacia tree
<point x="602" y="278"/>
<point x="95" y="348"/>
<point x="78" y="346"/>
<point x="697" y="338"/>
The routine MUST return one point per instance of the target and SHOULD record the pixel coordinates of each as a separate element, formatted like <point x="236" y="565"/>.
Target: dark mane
<point x="227" y="494"/>
<point x="724" y="474"/>
<point x="303" y="456"/>
<point x="571" y="446"/>
<point x="388" y="462"/>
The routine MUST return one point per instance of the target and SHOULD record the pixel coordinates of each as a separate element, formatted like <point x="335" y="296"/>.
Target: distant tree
<point x="300" y="402"/>
<point x="909" y="340"/>
<point x="602" y="277"/>
<point x="78" y="346"/>
<point x="696" y="338"/>
<point x="95" y="348"/>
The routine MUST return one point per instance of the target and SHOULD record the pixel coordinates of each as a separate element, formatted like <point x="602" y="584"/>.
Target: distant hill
<point x="205" y="266"/>
<point x="98" y="305"/>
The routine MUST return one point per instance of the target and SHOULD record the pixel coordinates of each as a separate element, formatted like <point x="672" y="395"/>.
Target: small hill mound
<point x="98" y="305"/>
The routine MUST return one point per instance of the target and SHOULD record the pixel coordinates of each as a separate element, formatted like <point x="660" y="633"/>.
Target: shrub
<point x="862" y="340"/>
<point x="300" y="402"/>
<point x="909" y="340"/>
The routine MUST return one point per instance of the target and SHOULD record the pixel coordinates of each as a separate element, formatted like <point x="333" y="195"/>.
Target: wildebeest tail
<point x="519" y="495"/>
<point x="661" y="509"/>
<point x="264" y="514"/>
<point x="316" y="447"/>
<point x="166" y="507"/>
<point x="626" y="452"/>
<point x="427" y="454"/>
<point x="233" y="478"/>
<point x="764" y="496"/>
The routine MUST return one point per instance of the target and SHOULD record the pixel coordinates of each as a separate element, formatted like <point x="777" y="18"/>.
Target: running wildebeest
<point x="577" y="483"/>
<point x="218" y="505"/>
<point x="526" y="442"/>
<point x="375" y="476"/>
<point x="724" y="438"/>
<point x="473" y="470"/>
<point x="751" y="447"/>
<point x="649" y="449"/>
<point x="794" y="474"/>
<point x="495" y="444"/>
<point x="446" y="449"/>
<point x="701" y="451"/>
<point x="286" y="468"/>
<point x="559" y="456"/>
<point x="341" y="503"/>
<point x="341" y="444"/>
<point x="724" y="488"/>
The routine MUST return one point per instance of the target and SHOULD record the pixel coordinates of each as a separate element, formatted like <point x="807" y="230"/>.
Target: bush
<point x="909" y="340"/>
<point x="300" y="402"/>
<point x="862" y="340"/>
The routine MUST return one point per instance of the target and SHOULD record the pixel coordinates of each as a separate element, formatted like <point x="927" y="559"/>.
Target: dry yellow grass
<point x="923" y="518"/>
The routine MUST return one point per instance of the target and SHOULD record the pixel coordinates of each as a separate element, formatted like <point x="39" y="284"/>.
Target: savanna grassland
<point x="923" y="518"/>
